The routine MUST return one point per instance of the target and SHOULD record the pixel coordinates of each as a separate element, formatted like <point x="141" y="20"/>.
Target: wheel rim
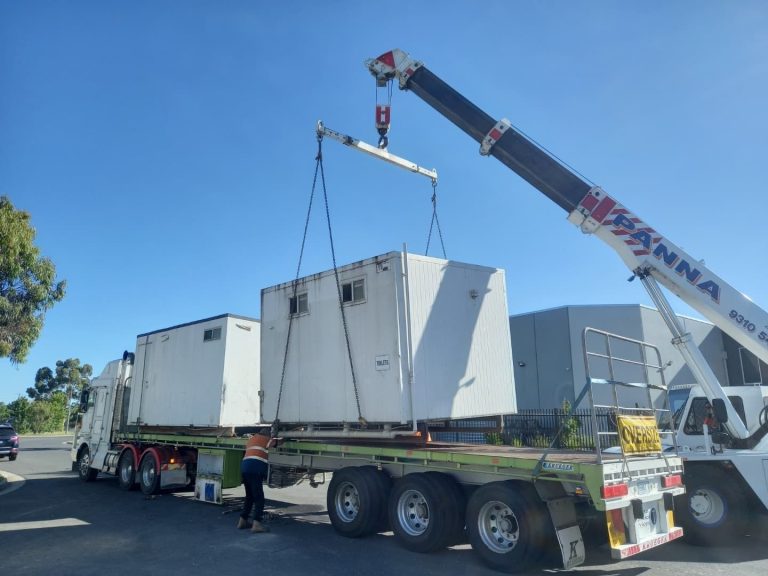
<point x="413" y="512"/>
<point x="708" y="507"/>
<point x="148" y="473"/>
<point x="498" y="527"/>
<point x="126" y="471"/>
<point x="347" y="502"/>
<point x="85" y="462"/>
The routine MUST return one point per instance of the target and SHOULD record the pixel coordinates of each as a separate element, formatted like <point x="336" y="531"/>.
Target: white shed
<point x="443" y="321"/>
<point x="200" y="374"/>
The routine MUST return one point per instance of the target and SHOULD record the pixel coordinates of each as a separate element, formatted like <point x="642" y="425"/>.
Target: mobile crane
<point x="725" y="471"/>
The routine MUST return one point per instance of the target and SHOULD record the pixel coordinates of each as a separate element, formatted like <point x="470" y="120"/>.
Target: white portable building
<point x="442" y="321"/>
<point x="200" y="374"/>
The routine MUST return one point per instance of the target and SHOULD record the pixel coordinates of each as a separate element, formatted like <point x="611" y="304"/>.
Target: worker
<point x="253" y="470"/>
<point x="709" y="417"/>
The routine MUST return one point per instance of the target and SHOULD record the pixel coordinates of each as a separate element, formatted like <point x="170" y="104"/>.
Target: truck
<point x="175" y="412"/>
<point x="430" y="342"/>
<point x="161" y="418"/>
<point x="725" y="468"/>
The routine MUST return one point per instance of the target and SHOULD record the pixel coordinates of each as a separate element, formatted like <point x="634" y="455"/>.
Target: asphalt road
<point x="56" y="525"/>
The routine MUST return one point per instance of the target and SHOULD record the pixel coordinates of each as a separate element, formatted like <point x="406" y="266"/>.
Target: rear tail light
<point x="670" y="481"/>
<point x="14" y="438"/>
<point x="614" y="491"/>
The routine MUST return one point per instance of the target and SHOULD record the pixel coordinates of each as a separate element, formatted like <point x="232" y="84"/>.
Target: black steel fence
<point x="543" y="428"/>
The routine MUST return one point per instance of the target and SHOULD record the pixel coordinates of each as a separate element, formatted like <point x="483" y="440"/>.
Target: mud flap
<point x="569" y="537"/>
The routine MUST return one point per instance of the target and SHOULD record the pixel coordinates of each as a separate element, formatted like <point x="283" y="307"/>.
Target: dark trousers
<point x="254" y="472"/>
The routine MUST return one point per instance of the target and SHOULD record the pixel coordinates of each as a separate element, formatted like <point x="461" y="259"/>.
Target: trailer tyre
<point x="455" y="503"/>
<point x="149" y="475"/>
<point x="507" y="526"/>
<point x="356" y="501"/>
<point x="84" y="470"/>
<point x="126" y="471"/>
<point x="421" y="513"/>
<point x="713" y="510"/>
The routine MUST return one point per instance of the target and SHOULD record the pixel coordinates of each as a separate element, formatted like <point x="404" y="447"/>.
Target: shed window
<point x="353" y="291"/>
<point x="299" y="304"/>
<point x="212" y="334"/>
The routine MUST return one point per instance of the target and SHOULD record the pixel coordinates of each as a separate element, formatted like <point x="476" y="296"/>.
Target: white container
<point x="202" y="374"/>
<point x="444" y="321"/>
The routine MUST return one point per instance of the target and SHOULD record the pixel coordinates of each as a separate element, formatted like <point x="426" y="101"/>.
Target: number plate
<point x="648" y="525"/>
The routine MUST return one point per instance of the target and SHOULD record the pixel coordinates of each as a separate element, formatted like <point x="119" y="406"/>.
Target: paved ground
<point x="56" y="525"/>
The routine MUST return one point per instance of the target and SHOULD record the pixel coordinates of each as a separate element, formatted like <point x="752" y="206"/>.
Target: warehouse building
<point x="549" y="354"/>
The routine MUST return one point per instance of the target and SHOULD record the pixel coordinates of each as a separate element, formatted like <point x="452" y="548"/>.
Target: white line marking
<point x="61" y="523"/>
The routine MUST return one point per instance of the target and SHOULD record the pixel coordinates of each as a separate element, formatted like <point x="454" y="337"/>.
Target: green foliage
<point x="56" y="394"/>
<point x="540" y="441"/>
<point x="516" y="441"/>
<point x="28" y="286"/>
<point x="47" y="415"/>
<point x="19" y="414"/>
<point x="494" y="438"/>
<point x="5" y="413"/>
<point x="69" y="377"/>
<point x="39" y="417"/>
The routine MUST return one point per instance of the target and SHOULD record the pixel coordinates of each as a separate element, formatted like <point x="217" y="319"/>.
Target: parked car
<point x="9" y="442"/>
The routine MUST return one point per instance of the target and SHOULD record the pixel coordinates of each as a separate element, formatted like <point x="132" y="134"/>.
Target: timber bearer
<point x="253" y="469"/>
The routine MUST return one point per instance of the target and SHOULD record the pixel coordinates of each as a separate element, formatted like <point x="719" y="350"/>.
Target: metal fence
<point x="542" y="428"/>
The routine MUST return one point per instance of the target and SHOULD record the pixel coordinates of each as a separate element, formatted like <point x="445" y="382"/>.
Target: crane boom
<point x="649" y="254"/>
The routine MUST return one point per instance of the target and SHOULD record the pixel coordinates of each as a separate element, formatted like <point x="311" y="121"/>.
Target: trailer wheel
<point x="507" y="526"/>
<point x="355" y="501"/>
<point x="456" y="502"/>
<point x="713" y="510"/>
<point x="149" y="475"/>
<point x="126" y="471"/>
<point x="421" y="513"/>
<point x="384" y="488"/>
<point x="84" y="470"/>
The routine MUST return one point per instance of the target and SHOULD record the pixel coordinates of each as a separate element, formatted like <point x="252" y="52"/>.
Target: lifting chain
<point x="434" y="222"/>
<point x="318" y="170"/>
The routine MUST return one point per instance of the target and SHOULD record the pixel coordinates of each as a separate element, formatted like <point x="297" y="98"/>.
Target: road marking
<point x="61" y="523"/>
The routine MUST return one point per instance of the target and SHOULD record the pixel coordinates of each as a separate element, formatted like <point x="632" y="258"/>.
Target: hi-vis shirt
<point x="256" y="448"/>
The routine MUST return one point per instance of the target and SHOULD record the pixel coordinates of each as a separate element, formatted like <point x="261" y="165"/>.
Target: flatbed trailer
<point x="512" y="504"/>
<point x="516" y="503"/>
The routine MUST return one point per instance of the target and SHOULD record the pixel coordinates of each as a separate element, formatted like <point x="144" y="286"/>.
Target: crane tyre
<point x="713" y="509"/>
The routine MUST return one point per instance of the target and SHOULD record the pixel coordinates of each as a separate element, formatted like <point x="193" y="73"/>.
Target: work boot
<point x="242" y="523"/>
<point x="258" y="527"/>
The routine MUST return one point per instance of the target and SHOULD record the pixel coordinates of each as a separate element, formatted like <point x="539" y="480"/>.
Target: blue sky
<point x="165" y="150"/>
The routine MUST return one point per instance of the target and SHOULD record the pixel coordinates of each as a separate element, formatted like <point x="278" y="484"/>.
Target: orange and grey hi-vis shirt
<point x="256" y="448"/>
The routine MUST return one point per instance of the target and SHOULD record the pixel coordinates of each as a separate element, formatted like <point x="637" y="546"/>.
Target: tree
<point x="28" y="286"/>
<point x="5" y="413"/>
<point x="69" y="377"/>
<point x="19" y="414"/>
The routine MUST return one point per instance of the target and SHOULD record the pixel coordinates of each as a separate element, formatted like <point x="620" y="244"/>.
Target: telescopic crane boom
<point x="649" y="254"/>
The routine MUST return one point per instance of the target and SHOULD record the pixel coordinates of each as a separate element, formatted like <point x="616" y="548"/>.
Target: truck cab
<point x="97" y="405"/>
<point x="689" y="405"/>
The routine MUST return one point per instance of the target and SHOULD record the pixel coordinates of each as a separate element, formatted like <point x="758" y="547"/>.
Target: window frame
<point x="295" y="304"/>
<point x="215" y="334"/>
<point x="361" y="281"/>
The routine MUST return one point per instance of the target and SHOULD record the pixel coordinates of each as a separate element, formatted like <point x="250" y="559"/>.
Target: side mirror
<point x="84" y="395"/>
<point x="718" y="407"/>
